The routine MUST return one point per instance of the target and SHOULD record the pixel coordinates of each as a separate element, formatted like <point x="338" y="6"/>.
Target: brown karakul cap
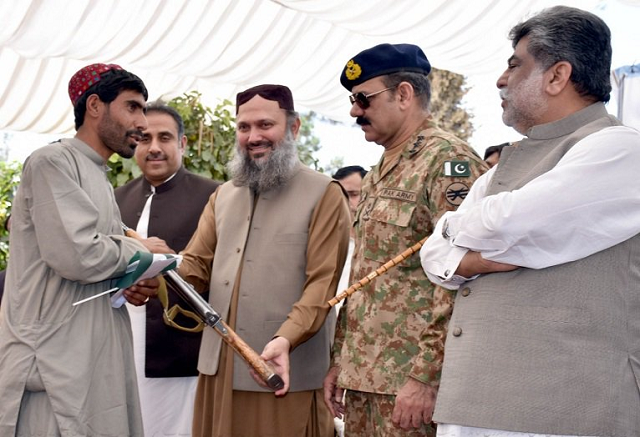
<point x="86" y="77"/>
<point x="277" y="93"/>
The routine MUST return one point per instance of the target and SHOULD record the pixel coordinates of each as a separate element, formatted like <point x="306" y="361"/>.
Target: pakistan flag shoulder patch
<point x="457" y="168"/>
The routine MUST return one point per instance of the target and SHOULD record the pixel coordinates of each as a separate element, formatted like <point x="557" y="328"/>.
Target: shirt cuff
<point x="441" y="268"/>
<point x="290" y="332"/>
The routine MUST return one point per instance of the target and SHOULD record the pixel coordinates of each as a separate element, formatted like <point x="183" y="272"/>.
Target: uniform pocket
<point x="393" y="211"/>
<point x="387" y="226"/>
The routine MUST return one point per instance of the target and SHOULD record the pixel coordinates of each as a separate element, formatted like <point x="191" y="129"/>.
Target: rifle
<point x="212" y="319"/>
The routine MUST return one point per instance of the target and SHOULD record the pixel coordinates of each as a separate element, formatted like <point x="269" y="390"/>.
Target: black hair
<point x="161" y="108"/>
<point x="344" y="172"/>
<point x="493" y="149"/>
<point x="108" y="88"/>
<point x="579" y="37"/>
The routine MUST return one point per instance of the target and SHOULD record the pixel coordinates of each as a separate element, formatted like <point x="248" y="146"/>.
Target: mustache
<point x="136" y="134"/>
<point x="156" y="156"/>
<point x="265" y="143"/>
<point x="362" y="121"/>
<point x="503" y="93"/>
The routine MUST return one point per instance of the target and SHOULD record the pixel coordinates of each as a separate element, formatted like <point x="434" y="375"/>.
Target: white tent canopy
<point x="219" y="47"/>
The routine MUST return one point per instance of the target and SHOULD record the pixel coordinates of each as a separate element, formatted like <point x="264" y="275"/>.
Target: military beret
<point x="277" y="93"/>
<point x="86" y="77"/>
<point x="384" y="59"/>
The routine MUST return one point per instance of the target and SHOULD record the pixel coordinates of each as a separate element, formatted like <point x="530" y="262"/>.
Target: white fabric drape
<point x="222" y="46"/>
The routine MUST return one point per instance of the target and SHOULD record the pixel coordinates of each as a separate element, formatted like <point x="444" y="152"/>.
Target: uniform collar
<point x="413" y="145"/>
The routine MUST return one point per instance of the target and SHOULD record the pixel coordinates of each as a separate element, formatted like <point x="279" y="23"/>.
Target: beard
<point x="268" y="173"/>
<point x="117" y="138"/>
<point x="525" y="103"/>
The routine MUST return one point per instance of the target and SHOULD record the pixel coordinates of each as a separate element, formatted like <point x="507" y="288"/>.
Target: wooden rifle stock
<point x="379" y="271"/>
<point x="212" y="319"/>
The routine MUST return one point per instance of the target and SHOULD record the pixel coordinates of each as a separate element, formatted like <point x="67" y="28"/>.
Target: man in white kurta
<point x="545" y="253"/>
<point x="69" y="370"/>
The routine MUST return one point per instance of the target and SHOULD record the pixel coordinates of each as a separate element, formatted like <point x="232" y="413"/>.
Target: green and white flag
<point x="143" y="265"/>
<point x="457" y="168"/>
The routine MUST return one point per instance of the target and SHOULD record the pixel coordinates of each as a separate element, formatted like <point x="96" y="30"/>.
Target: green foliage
<point x="211" y="140"/>
<point x="447" y="91"/>
<point x="308" y="143"/>
<point x="210" y="135"/>
<point x="9" y="179"/>
<point x="122" y="170"/>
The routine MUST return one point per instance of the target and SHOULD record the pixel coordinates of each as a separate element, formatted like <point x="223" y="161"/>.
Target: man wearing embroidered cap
<point x="390" y="335"/>
<point x="69" y="370"/>
<point x="269" y="247"/>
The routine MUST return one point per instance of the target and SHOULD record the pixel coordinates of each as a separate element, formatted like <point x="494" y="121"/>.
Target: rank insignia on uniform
<point x="456" y="193"/>
<point x="457" y="168"/>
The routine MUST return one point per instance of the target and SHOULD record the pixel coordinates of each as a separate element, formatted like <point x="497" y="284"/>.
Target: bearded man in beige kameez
<point x="270" y="247"/>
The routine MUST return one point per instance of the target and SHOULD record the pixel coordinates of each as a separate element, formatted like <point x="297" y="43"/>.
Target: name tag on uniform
<point x="457" y="168"/>
<point x="392" y="193"/>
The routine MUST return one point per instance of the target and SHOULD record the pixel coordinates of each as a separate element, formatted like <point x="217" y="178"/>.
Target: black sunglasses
<point x="362" y="99"/>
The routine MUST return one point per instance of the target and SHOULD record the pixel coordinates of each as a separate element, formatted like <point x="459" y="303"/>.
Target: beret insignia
<point x="381" y="60"/>
<point x="352" y="70"/>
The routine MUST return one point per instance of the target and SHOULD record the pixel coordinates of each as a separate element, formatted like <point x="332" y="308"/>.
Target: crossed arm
<point x="588" y="202"/>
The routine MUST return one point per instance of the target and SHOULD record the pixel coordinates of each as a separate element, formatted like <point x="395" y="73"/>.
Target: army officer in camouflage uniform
<point x="390" y="336"/>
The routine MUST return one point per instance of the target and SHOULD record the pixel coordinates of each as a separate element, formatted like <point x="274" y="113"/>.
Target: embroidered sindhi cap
<point x="277" y="93"/>
<point x="86" y="77"/>
<point x="384" y="59"/>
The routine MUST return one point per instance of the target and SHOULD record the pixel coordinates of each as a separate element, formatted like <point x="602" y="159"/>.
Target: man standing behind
<point x="64" y="369"/>
<point x="350" y="178"/>
<point x="550" y="348"/>
<point x="165" y="202"/>
<point x="276" y="236"/>
<point x="492" y="154"/>
<point x="390" y="336"/>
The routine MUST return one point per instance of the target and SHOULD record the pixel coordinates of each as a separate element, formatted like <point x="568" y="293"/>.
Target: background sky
<point x="346" y="141"/>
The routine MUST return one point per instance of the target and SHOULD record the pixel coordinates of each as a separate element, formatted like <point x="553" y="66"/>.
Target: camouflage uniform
<point x="395" y="327"/>
<point x="369" y="415"/>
